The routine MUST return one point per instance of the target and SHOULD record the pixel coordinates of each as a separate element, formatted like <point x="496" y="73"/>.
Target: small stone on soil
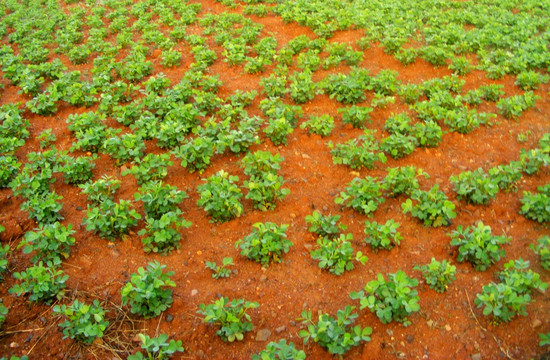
<point x="410" y="338"/>
<point x="448" y="327"/>
<point x="263" y="278"/>
<point x="280" y="329"/>
<point x="194" y="292"/>
<point x="536" y="323"/>
<point x="476" y="356"/>
<point x="169" y="318"/>
<point x="263" y="335"/>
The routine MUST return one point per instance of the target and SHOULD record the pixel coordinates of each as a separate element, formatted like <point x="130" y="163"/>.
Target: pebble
<point x="263" y="278"/>
<point x="280" y="329"/>
<point x="13" y="345"/>
<point x="410" y="338"/>
<point x="292" y="323"/>
<point x="430" y="324"/>
<point x="308" y="247"/>
<point x="169" y="317"/>
<point x="536" y="323"/>
<point x="476" y="356"/>
<point x="448" y="327"/>
<point x="306" y="156"/>
<point x="293" y="215"/>
<point x="199" y="354"/>
<point x="194" y="292"/>
<point x="79" y="208"/>
<point x="136" y="338"/>
<point x="263" y="335"/>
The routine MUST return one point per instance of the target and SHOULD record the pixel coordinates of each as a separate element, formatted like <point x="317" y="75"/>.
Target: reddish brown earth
<point x="447" y="326"/>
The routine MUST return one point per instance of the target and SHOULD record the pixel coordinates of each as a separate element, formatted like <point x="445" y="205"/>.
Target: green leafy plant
<point x="355" y="115"/>
<point x="100" y="190"/>
<point x="382" y="236"/>
<point x="231" y="316"/>
<point x="302" y="87"/>
<point x="336" y="255"/>
<point x="146" y="292"/>
<point x="533" y="160"/>
<point x="78" y="170"/>
<point x="398" y="145"/>
<point x="543" y="251"/>
<point x="530" y="80"/>
<point x="163" y="233"/>
<point x="544" y="339"/>
<point x="3" y="312"/>
<point x="8" y="169"/>
<point x="43" y="283"/>
<point x="514" y="106"/>
<point x="438" y="274"/>
<point x="220" y="271"/>
<point x="517" y="274"/>
<point x="219" y="197"/>
<point x="47" y="138"/>
<point x="265" y="189"/>
<point x="110" y="220"/>
<point x="432" y="207"/>
<point x="157" y="348"/>
<point x="259" y="162"/>
<point x="50" y="243"/>
<point x="280" y="350"/>
<point x="363" y="195"/>
<point x="475" y="186"/>
<point x="478" y="245"/>
<point x="44" y="208"/>
<point x="350" y="88"/>
<point x="324" y="226"/>
<point x="502" y="301"/>
<point x="320" y="125"/>
<point x="334" y="334"/>
<point x="266" y="243"/>
<point x="357" y="153"/>
<point x="392" y="300"/>
<point x="151" y="167"/>
<point x="460" y="66"/>
<point x="159" y="198"/>
<point x="195" y="154"/>
<point x="84" y="322"/>
<point x="536" y="206"/>
<point x="398" y="124"/>
<point x="4" y="252"/>
<point x="402" y="180"/>
<point x="428" y="134"/>
<point x="506" y="176"/>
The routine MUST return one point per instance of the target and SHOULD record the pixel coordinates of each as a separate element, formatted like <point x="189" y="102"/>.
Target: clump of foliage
<point x="42" y="283"/>
<point x="231" y="316"/>
<point x="392" y="300"/>
<point x="543" y="251"/>
<point x="266" y="243"/>
<point x="363" y="195"/>
<point x="159" y="198"/>
<point x="334" y="334"/>
<point x="357" y="153"/>
<point x="534" y="206"/>
<point x="84" y="322"/>
<point x="50" y="243"/>
<point x="475" y="186"/>
<point x="219" y="197"/>
<point x="265" y="189"/>
<point x="438" y="274"/>
<point x="382" y="236"/>
<point x="402" y="180"/>
<point x="509" y="297"/>
<point x="432" y="207"/>
<point x="320" y="125"/>
<point x="324" y="226"/>
<point x="336" y="255"/>
<point x="157" y="348"/>
<point x="220" y="271"/>
<point x="163" y="234"/>
<point x="110" y="220"/>
<point x="147" y="293"/>
<point x="478" y="245"/>
<point x="100" y="190"/>
<point x="280" y="350"/>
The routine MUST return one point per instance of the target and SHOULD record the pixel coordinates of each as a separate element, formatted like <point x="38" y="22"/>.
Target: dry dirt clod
<point x="263" y="335"/>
